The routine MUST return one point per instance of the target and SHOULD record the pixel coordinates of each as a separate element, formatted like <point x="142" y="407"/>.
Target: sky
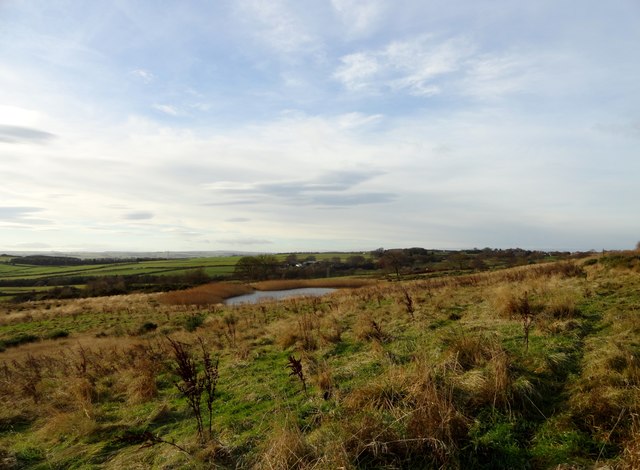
<point x="318" y="125"/>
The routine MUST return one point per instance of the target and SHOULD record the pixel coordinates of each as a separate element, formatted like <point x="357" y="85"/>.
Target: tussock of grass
<point x="631" y="454"/>
<point x="286" y="447"/>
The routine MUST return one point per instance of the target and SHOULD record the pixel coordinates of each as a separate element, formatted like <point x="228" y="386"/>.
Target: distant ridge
<point x="132" y="254"/>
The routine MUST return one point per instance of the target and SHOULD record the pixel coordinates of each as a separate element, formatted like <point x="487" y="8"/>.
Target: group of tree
<point x="266" y="266"/>
<point x="48" y="260"/>
<point x="396" y="262"/>
<point x="403" y="261"/>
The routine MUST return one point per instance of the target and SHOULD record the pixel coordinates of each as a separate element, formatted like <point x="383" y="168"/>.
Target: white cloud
<point x="491" y="76"/>
<point x="355" y="120"/>
<point x="426" y="66"/>
<point x="167" y="109"/>
<point x="413" y="66"/>
<point x="20" y="116"/>
<point x="360" y="18"/>
<point x="358" y="71"/>
<point x="274" y="23"/>
<point x="143" y="75"/>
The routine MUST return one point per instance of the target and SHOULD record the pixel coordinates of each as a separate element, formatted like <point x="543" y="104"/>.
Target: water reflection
<point x="258" y="296"/>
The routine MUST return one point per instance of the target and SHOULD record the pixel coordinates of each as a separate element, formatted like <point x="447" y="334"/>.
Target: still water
<point x="257" y="296"/>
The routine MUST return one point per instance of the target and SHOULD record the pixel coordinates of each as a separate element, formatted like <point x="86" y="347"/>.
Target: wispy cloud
<point x="275" y="24"/>
<point x="357" y="120"/>
<point x="138" y="215"/>
<point x="16" y="135"/>
<point x="410" y="66"/>
<point x="490" y="76"/>
<point x="33" y="246"/>
<point x="143" y="75"/>
<point x="333" y="189"/>
<point x="360" y="18"/>
<point x="359" y="71"/>
<point x="625" y="129"/>
<point x="21" y="216"/>
<point x="428" y="65"/>
<point x="16" y="212"/>
<point x="244" y="241"/>
<point x="167" y="109"/>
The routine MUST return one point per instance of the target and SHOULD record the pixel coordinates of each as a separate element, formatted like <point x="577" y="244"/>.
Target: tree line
<point x="47" y="260"/>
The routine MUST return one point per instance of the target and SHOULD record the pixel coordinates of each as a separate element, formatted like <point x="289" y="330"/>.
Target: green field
<point x="213" y="266"/>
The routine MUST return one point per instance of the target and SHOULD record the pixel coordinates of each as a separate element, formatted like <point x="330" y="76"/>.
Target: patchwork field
<point x="19" y="277"/>
<point x="527" y="367"/>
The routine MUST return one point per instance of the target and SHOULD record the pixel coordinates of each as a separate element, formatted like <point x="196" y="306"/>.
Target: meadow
<point x="526" y="367"/>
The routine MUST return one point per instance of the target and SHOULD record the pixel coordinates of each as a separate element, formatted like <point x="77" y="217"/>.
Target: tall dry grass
<point x="336" y="282"/>
<point x="286" y="448"/>
<point x="207" y="294"/>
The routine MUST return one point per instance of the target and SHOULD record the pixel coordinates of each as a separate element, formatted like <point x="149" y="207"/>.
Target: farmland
<point x="18" y="277"/>
<point x="213" y="266"/>
<point x="41" y="277"/>
<point x="532" y="366"/>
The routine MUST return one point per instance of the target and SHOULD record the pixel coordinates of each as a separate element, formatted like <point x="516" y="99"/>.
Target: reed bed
<point x="336" y="282"/>
<point x="208" y="294"/>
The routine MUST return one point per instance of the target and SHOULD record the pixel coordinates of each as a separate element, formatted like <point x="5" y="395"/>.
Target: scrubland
<point x="529" y="367"/>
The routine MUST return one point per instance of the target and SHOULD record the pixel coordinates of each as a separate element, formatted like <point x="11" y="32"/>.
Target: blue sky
<point x="319" y="125"/>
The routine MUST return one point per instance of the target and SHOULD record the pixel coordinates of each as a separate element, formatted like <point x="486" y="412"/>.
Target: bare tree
<point x="394" y="260"/>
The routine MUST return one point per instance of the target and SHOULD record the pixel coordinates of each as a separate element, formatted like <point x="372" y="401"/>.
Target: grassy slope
<point x="449" y="384"/>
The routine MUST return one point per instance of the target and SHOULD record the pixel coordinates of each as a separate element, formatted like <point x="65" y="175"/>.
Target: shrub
<point x="17" y="340"/>
<point x="58" y="334"/>
<point x="193" y="322"/>
<point x="147" y="327"/>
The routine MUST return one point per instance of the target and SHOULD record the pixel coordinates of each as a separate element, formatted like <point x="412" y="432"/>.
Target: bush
<point x="193" y="322"/>
<point x="58" y="334"/>
<point x="22" y="338"/>
<point x="147" y="327"/>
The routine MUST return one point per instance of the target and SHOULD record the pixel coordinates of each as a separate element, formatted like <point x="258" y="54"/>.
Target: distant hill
<point x="130" y="254"/>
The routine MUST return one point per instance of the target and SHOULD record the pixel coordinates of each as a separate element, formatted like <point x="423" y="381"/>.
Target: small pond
<point x="257" y="296"/>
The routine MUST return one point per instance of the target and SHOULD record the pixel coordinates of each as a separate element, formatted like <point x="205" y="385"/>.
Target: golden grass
<point x="212" y="293"/>
<point x="336" y="282"/>
<point x="631" y="453"/>
<point x="66" y="425"/>
<point x="286" y="448"/>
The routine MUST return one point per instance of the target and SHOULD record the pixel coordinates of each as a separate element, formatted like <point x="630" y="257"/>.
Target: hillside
<point x="527" y="367"/>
